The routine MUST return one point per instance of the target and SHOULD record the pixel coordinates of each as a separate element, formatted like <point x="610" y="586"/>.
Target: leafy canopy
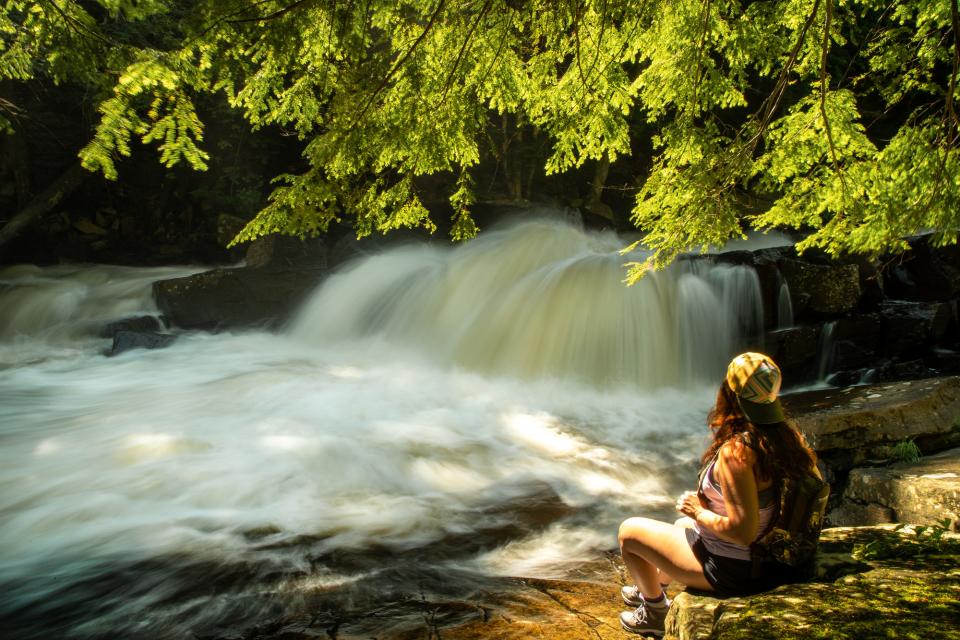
<point x="833" y="116"/>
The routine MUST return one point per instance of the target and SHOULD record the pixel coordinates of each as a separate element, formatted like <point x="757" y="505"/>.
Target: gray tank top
<point x="710" y="489"/>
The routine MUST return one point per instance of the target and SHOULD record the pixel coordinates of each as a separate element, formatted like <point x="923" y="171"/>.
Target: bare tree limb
<point x="45" y="201"/>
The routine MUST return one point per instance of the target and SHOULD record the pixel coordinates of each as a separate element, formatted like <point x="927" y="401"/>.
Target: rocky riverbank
<point x="877" y="581"/>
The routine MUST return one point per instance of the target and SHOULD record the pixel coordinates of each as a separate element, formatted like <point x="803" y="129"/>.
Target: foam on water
<point x="495" y="407"/>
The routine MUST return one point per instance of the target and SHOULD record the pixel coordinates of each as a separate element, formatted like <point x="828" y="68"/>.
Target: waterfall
<point x="542" y="300"/>
<point x="60" y="309"/>
<point x="825" y="349"/>
<point x="496" y="408"/>
<point x="784" y="307"/>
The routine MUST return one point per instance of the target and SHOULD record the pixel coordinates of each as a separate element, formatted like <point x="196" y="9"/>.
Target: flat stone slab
<point x="884" y="597"/>
<point x="926" y="491"/>
<point x="856" y="425"/>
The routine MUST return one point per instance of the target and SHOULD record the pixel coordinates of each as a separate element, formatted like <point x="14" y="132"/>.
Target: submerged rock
<point x="127" y="340"/>
<point x="135" y="323"/>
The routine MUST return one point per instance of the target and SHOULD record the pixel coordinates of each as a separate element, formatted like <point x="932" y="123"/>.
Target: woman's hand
<point x="689" y="504"/>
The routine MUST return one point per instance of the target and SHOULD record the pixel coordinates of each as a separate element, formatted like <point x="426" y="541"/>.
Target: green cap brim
<point x="758" y="413"/>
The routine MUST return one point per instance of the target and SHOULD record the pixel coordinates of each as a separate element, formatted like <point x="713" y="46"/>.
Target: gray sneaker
<point x="645" y="619"/>
<point x="631" y="595"/>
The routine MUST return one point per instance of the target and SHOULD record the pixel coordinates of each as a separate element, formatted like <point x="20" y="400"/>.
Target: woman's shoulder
<point x="737" y="453"/>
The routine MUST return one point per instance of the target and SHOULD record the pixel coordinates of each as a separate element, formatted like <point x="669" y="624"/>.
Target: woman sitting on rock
<point x="709" y="549"/>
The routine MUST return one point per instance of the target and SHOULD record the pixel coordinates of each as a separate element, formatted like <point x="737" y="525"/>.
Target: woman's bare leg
<point x="684" y="523"/>
<point x="654" y="552"/>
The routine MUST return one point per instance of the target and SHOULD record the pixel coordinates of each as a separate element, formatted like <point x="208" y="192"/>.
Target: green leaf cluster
<point x="834" y="117"/>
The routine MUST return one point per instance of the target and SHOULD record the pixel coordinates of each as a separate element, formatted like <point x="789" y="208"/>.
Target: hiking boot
<point x="632" y="596"/>
<point x="646" y="619"/>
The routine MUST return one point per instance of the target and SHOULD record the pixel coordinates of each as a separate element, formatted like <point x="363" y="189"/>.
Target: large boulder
<point x="824" y="290"/>
<point x="278" y="251"/>
<point x="796" y="350"/>
<point x="926" y="491"/>
<point x="280" y="272"/>
<point x="902" y="589"/>
<point x="857" y="425"/>
<point x="925" y="272"/>
<point x="235" y="298"/>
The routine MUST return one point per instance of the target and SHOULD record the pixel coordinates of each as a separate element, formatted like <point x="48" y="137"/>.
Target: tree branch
<point x="45" y="201"/>
<point x="276" y="14"/>
<point x="399" y="63"/>
<point x="78" y="26"/>
<point x="463" y="48"/>
<point x="824" y="85"/>
<point x="700" y="50"/>
<point x="955" y="22"/>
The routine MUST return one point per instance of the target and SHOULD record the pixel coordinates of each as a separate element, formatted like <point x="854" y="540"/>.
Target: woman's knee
<point x="635" y="529"/>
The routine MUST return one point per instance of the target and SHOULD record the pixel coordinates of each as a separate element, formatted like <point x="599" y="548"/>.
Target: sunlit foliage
<point x="833" y="116"/>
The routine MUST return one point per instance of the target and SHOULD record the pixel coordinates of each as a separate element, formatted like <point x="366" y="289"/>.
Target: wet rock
<point x="134" y="324"/>
<point x="821" y="289"/>
<point x="228" y="226"/>
<point x="925" y="492"/>
<point x="856" y="339"/>
<point x="848" y="427"/>
<point x="853" y="595"/>
<point x="925" y="273"/>
<point x="795" y="350"/>
<point x="128" y="340"/>
<point x="546" y="609"/>
<point x="235" y="298"/>
<point x="911" y="369"/>
<point x="280" y="251"/>
<point x="912" y="328"/>
<point x="944" y="361"/>
<point x="852" y="377"/>
<point x="871" y="282"/>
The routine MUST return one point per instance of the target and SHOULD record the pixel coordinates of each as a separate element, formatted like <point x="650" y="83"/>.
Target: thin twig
<point x="399" y="63"/>
<point x="79" y="27"/>
<point x="463" y="48"/>
<point x="824" y="85"/>
<point x="700" y="51"/>
<point x="276" y="14"/>
<point x="955" y="22"/>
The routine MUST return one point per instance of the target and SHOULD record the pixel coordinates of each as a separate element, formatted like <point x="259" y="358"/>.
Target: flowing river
<point x="431" y="418"/>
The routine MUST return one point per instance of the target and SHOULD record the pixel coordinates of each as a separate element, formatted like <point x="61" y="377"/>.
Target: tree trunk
<point x="595" y="203"/>
<point x="45" y="201"/>
<point x="15" y="162"/>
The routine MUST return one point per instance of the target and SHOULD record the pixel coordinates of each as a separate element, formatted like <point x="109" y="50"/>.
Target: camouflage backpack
<point x="792" y="535"/>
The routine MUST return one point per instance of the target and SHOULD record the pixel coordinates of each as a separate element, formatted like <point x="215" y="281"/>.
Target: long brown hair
<point x="780" y="447"/>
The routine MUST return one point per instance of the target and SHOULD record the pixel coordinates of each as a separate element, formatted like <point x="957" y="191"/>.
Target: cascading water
<point x="784" y="307"/>
<point x="431" y="418"/>
<point x="825" y="348"/>
<point x="543" y="300"/>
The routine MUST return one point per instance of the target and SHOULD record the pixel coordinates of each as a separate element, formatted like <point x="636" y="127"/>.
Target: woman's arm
<point x="734" y="473"/>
